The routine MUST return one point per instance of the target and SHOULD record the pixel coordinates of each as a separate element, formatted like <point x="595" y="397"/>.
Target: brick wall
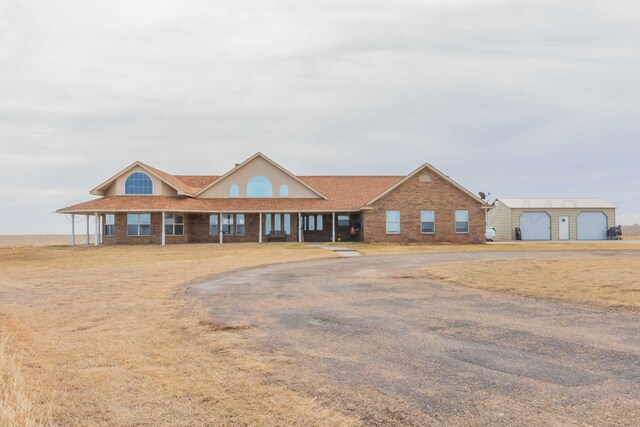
<point x="413" y="196"/>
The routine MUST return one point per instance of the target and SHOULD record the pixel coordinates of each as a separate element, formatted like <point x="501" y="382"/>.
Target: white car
<point x="490" y="234"/>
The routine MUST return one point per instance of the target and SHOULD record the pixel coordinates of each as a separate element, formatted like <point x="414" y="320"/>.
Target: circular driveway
<point x="376" y="337"/>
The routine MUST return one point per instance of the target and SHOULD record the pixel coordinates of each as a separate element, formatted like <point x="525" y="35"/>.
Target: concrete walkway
<point x="341" y="251"/>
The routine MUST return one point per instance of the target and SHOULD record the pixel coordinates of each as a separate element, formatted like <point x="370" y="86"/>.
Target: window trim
<point x="434" y="222"/>
<point x="173" y="224"/>
<point x="138" y="224"/>
<point x="387" y="221"/>
<point x="455" y="222"/>
<point x="259" y="182"/>
<point x="111" y="224"/>
<point x="238" y="224"/>
<point x="216" y="225"/>
<point x="126" y="191"/>
<point x="234" y="191"/>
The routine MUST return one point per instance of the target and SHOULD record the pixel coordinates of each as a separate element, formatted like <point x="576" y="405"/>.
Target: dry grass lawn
<point x="594" y="279"/>
<point x="106" y="336"/>
<point x="389" y="248"/>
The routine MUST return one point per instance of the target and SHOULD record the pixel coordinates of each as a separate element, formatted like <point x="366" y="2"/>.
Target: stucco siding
<point x="258" y="167"/>
<point x="117" y="188"/>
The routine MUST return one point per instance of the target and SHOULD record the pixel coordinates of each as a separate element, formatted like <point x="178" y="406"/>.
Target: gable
<point x="117" y="186"/>
<point x="258" y="166"/>
<point x="424" y="181"/>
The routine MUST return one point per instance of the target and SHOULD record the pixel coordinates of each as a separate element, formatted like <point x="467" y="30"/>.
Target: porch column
<point x="300" y="239"/>
<point x="333" y="227"/>
<point x="220" y="226"/>
<point x="88" y="231"/>
<point x="96" y="237"/>
<point x="164" y="233"/>
<point x="260" y="229"/>
<point x="73" y="229"/>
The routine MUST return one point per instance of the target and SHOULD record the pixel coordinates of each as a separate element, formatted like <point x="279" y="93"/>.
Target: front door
<point x="563" y="222"/>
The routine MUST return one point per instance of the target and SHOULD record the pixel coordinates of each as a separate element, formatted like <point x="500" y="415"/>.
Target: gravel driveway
<point x="375" y="337"/>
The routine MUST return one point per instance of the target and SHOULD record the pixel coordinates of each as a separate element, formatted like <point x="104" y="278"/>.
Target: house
<point x="552" y="219"/>
<point x="259" y="200"/>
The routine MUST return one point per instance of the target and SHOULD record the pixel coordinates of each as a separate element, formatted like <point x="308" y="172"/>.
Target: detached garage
<point x="551" y="219"/>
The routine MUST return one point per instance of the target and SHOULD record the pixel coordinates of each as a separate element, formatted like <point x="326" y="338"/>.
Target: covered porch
<point x="215" y="227"/>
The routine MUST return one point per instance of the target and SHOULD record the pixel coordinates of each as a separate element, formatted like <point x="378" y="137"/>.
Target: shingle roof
<point x="344" y="193"/>
<point x="556" y="203"/>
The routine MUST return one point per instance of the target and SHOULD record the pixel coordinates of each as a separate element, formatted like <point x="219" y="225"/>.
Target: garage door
<point x="592" y="226"/>
<point x="535" y="226"/>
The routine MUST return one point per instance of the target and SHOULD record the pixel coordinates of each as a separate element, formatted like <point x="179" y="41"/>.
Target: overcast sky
<point x="517" y="98"/>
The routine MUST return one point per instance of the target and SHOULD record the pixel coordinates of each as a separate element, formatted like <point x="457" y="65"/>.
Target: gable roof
<point x="556" y="203"/>
<point x="437" y="172"/>
<point x="181" y="187"/>
<point x="249" y="160"/>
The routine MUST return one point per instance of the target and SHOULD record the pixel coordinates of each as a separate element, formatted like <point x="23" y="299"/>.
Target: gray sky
<point x="516" y="98"/>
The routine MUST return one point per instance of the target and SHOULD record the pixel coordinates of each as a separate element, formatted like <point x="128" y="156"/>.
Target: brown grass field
<point x="585" y="278"/>
<point x="104" y="336"/>
<point x="107" y="336"/>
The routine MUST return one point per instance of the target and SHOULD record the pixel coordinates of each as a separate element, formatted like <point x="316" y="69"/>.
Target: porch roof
<point x="344" y="194"/>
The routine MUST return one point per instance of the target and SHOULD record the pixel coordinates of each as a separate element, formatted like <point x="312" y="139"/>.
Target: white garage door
<point x="592" y="226"/>
<point x="535" y="226"/>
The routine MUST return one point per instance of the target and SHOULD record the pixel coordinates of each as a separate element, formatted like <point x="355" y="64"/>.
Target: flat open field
<point x="590" y="278"/>
<point x="104" y="336"/>
<point x="40" y="240"/>
<point x="109" y="335"/>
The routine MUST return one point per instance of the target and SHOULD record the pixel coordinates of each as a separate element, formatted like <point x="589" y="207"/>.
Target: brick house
<point x="259" y="201"/>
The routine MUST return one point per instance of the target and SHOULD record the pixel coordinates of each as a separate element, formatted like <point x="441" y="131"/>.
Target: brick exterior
<point x="196" y="230"/>
<point x="409" y="198"/>
<point x="413" y="196"/>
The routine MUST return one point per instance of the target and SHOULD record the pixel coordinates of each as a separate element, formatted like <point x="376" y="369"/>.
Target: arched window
<point x="259" y="186"/>
<point x="138" y="183"/>
<point x="284" y="190"/>
<point x="234" y="190"/>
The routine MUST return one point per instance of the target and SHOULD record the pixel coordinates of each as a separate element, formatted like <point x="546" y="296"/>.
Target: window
<point x="139" y="224"/>
<point x="462" y="221"/>
<point x="284" y="190"/>
<point x="343" y="220"/>
<point x="227" y="224"/>
<point x="287" y="224"/>
<point x="267" y="224"/>
<point x="109" y="225"/>
<point x="240" y="224"/>
<point x="277" y="224"/>
<point x="311" y="223"/>
<point x="138" y="183"/>
<point x="319" y="223"/>
<point x="393" y="222"/>
<point x="174" y="224"/>
<point x="259" y="186"/>
<point x="234" y="191"/>
<point x="213" y="225"/>
<point x="427" y="221"/>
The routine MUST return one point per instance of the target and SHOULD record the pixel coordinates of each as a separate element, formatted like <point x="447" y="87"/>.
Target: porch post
<point x="260" y="229"/>
<point x="73" y="229"/>
<point x="300" y="239"/>
<point x="96" y="238"/>
<point x="333" y="227"/>
<point x="220" y="225"/>
<point x="88" y="231"/>
<point x="164" y="233"/>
